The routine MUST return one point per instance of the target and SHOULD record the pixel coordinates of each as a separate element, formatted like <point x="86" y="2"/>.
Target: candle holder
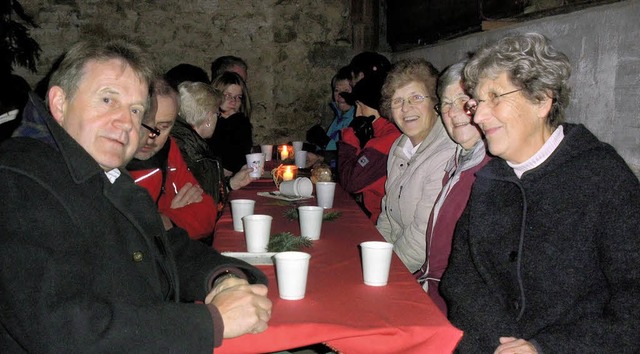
<point x="284" y="173"/>
<point x="285" y="153"/>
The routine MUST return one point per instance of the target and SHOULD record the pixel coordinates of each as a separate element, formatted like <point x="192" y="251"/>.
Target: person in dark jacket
<point x="195" y="123"/>
<point x="232" y="139"/>
<point x="229" y="63"/>
<point x="545" y="256"/>
<point x="85" y="262"/>
<point x="14" y="92"/>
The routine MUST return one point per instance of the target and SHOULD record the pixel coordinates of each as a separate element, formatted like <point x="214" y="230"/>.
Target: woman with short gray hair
<point x="199" y="106"/>
<point x="459" y="175"/>
<point x="545" y="256"/>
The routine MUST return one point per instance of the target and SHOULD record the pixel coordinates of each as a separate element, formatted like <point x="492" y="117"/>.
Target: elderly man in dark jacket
<point x="86" y="265"/>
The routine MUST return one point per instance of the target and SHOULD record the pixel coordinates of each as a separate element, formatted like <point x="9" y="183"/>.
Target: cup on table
<point x="310" y="218"/>
<point x="297" y="146"/>
<point x="299" y="187"/>
<point x="239" y="209"/>
<point x="376" y="259"/>
<point x="301" y="159"/>
<point x="325" y="192"/>
<point x="267" y="150"/>
<point x="255" y="161"/>
<point x="257" y="230"/>
<point x="291" y="271"/>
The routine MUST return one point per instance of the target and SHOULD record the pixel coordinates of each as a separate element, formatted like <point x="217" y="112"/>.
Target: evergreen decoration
<point x="286" y="241"/>
<point x="331" y="216"/>
<point x="292" y="214"/>
<point x="280" y="203"/>
<point x="16" y="45"/>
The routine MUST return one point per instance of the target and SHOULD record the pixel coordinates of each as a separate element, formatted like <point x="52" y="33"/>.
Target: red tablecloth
<point x="338" y="309"/>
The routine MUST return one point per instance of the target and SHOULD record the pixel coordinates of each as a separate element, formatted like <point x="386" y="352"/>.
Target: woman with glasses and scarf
<point x="232" y="138"/>
<point x="545" y="256"/>
<point x="416" y="161"/>
<point x="460" y="173"/>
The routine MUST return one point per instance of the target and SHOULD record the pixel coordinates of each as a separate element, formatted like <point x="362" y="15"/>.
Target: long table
<point x="339" y="310"/>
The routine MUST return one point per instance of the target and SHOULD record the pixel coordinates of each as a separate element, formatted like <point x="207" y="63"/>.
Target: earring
<point x="207" y="125"/>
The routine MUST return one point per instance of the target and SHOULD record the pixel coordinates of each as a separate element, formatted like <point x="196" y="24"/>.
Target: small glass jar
<point x="321" y="173"/>
<point x="284" y="173"/>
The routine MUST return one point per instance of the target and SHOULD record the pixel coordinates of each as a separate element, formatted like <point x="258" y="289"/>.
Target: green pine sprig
<point x="286" y="241"/>
<point x="280" y="203"/>
<point x="292" y="214"/>
<point x="331" y="216"/>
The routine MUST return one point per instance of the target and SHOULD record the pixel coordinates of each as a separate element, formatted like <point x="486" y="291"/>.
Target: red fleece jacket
<point x="198" y="219"/>
<point x="365" y="170"/>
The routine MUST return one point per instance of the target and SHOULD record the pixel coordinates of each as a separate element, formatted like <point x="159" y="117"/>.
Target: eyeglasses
<point x="445" y="107"/>
<point x="471" y="106"/>
<point x="230" y="97"/>
<point x="411" y="100"/>
<point x="153" y="132"/>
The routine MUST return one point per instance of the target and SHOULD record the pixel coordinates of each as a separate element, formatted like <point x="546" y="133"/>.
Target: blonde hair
<point x="197" y="99"/>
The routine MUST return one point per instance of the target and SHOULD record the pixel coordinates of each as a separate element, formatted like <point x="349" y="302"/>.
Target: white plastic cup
<point x="257" y="230"/>
<point x="325" y="192"/>
<point x="301" y="159"/>
<point x="376" y="260"/>
<point x="267" y="150"/>
<point x="310" y="218"/>
<point x="291" y="271"/>
<point x="255" y="161"/>
<point x="239" y="209"/>
<point x="299" y="187"/>
<point x="297" y="146"/>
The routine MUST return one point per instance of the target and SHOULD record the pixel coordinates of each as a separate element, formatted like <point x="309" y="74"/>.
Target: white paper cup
<point x="325" y="192"/>
<point x="267" y="150"/>
<point x="257" y="230"/>
<point x="299" y="187"/>
<point x="291" y="271"/>
<point x="376" y="259"/>
<point x="301" y="159"/>
<point x="240" y="208"/>
<point x="310" y="218"/>
<point x="297" y="146"/>
<point x="256" y="162"/>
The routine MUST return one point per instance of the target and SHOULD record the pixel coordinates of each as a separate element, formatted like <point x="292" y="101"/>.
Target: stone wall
<point x="292" y="47"/>
<point x="602" y="44"/>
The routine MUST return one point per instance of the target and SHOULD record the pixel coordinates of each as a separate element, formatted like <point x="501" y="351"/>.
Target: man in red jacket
<point x="364" y="148"/>
<point x="159" y="167"/>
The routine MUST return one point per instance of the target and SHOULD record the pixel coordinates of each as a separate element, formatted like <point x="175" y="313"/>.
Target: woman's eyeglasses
<point x="412" y="100"/>
<point x="445" y="106"/>
<point x="230" y="97"/>
<point x="153" y="132"/>
<point x="493" y="99"/>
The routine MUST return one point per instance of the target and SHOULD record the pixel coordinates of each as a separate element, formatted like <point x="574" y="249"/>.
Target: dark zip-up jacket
<point x="552" y="257"/>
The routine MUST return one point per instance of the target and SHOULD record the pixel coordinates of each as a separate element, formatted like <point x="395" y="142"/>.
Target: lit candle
<point x="285" y="153"/>
<point x="288" y="174"/>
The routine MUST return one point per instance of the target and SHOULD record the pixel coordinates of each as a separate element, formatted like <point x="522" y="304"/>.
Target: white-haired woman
<point x="197" y="121"/>
<point x="545" y="256"/>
